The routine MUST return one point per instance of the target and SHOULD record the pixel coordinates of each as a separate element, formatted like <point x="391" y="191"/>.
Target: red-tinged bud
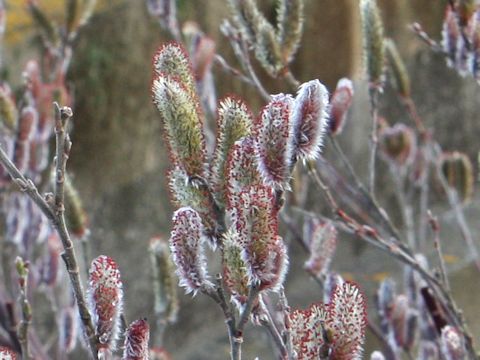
<point x="309" y="119"/>
<point x="307" y="331"/>
<point x="457" y="170"/>
<point x="27" y="124"/>
<point x="398" y="144"/>
<point x="450" y="36"/>
<point x="452" y="344"/>
<point x="340" y="103"/>
<point x="242" y="172"/>
<point x="186" y="244"/>
<point x="105" y="297"/>
<point x="234" y="121"/>
<point x="264" y="252"/>
<point x="68" y="330"/>
<point x="377" y="355"/>
<point x="159" y="353"/>
<point x="183" y="126"/>
<point x="323" y="242"/>
<point x="347" y="321"/>
<point x="136" y="341"/>
<point x="7" y="354"/>
<point x="274" y="142"/>
<point x="172" y="60"/>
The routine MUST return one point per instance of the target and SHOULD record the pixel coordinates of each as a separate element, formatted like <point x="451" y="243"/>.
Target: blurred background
<point x="119" y="160"/>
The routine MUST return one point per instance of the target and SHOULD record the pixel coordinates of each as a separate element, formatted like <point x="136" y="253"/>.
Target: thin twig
<point x="401" y="252"/>
<point x="405" y="206"/>
<point x="373" y="92"/>
<point x="269" y="324"/>
<point x="218" y="295"/>
<point x="220" y="60"/>
<point x="422" y="35"/>
<point x="291" y="80"/>
<point x="55" y="215"/>
<point x="286" y="335"/>
<point x="456" y="206"/>
<point x="251" y="72"/>
<point x="438" y="247"/>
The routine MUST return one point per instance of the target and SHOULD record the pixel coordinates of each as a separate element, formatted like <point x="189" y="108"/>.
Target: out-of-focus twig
<point x="53" y="208"/>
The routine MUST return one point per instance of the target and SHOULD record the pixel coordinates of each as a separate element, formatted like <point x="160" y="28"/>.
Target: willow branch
<point x="55" y="213"/>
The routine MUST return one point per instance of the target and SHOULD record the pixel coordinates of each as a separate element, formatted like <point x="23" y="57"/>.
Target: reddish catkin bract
<point x="105" y="300"/>
<point x="340" y="103"/>
<point x="7" y="354"/>
<point x="347" y="321"/>
<point x="234" y="121"/>
<point x="242" y="172"/>
<point x="307" y="332"/>
<point x="263" y="251"/>
<point x="309" y="119"/>
<point x="136" y="341"/>
<point x="274" y="142"/>
<point x="186" y="244"/>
